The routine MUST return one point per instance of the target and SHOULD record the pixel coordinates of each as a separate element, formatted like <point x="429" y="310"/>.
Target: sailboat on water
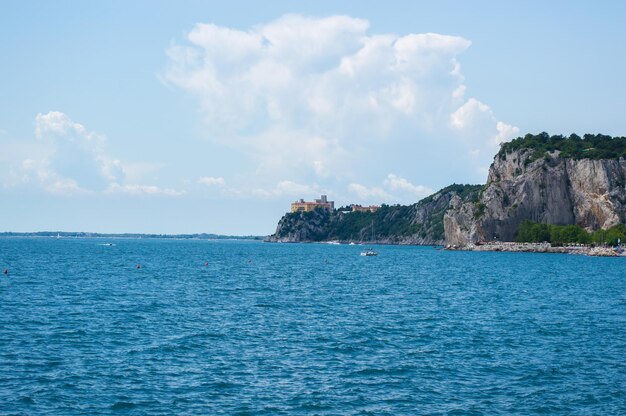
<point x="368" y="252"/>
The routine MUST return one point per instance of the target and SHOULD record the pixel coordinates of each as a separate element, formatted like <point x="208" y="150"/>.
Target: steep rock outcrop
<point x="301" y="227"/>
<point x="551" y="190"/>
<point x="460" y="228"/>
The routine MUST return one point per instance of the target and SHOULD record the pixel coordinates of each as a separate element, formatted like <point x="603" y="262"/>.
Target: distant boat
<point x="368" y="252"/>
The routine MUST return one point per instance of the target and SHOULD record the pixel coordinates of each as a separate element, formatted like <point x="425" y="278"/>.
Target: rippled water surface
<point x="306" y="329"/>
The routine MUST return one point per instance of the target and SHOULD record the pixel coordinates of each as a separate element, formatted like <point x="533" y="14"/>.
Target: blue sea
<point x="244" y="327"/>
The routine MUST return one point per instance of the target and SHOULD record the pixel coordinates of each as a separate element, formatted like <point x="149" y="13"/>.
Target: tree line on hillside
<point x="590" y="146"/>
<point x="558" y="235"/>
<point x="389" y="222"/>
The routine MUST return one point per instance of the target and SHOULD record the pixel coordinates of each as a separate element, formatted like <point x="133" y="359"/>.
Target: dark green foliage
<point x="568" y="234"/>
<point x="557" y="235"/>
<point x="387" y="222"/>
<point x="591" y="146"/>
<point x="531" y="232"/>
<point x="463" y="191"/>
<point x="610" y="236"/>
<point x="390" y="222"/>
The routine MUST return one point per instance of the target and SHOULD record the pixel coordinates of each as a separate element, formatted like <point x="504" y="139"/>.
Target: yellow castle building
<point x="306" y="206"/>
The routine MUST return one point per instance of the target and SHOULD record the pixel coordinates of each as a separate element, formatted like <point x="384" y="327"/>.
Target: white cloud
<point x="478" y="125"/>
<point x="285" y="189"/>
<point x="143" y="190"/>
<point x="302" y="94"/>
<point x="365" y="193"/>
<point x="470" y="114"/>
<point x="397" y="183"/>
<point x="75" y="159"/>
<point x="394" y="189"/>
<point x="67" y="159"/>
<point x="212" y="181"/>
<point x="32" y="170"/>
<point x="505" y="133"/>
<point x="280" y="190"/>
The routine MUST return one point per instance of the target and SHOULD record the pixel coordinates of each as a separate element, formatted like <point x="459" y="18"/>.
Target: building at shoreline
<point x="306" y="206"/>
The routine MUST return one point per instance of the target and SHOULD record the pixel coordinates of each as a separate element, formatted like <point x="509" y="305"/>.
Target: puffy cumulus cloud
<point x="395" y="189"/>
<point x="66" y="159"/>
<point x="55" y="125"/>
<point x="73" y="159"/>
<point x="475" y="119"/>
<point x="325" y="100"/>
<point x="398" y="183"/>
<point x="323" y="78"/>
<point x="505" y="132"/>
<point x="365" y="193"/>
<point x="212" y="181"/>
<point x="281" y="152"/>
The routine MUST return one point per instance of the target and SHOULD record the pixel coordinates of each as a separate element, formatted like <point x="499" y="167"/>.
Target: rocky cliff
<point x="551" y="189"/>
<point x="420" y="223"/>
<point x="545" y="179"/>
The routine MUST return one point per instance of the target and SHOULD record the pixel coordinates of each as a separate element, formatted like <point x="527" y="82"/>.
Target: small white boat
<point x="369" y="252"/>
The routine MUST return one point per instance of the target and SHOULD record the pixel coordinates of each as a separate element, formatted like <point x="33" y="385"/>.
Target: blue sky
<point x="198" y="116"/>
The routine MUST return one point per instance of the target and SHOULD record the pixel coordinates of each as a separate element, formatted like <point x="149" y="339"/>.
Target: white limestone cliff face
<point x="598" y="191"/>
<point x="459" y="223"/>
<point x="552" y="190"/>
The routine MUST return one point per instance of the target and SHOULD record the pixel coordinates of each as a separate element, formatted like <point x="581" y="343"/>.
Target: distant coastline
<point x="67" y="234"/>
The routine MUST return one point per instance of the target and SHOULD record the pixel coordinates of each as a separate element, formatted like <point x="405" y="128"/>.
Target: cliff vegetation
<point x="558" y="235"/>
<point x="420" y="223"/>
<point x="590" y="146"/>
<point x="539" y="188"/>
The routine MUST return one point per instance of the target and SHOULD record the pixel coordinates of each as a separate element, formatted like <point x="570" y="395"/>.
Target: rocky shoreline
<point x="540" y="248"/>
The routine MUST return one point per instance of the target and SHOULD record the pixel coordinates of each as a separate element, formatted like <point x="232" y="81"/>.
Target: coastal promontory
<point x="554" y="181"/>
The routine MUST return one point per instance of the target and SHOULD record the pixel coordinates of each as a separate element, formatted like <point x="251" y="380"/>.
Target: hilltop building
<point x="305" y="206"/>
<point x="359" y="208"/>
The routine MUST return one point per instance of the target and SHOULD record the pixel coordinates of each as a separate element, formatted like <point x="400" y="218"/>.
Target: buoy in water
<point x="206" y="263"/>
<point x="6" y="271"/>
<point x="138" y="266"/>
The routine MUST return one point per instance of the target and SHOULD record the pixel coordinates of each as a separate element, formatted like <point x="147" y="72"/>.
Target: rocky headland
<point x="419" y="224"/>
<point x="551" y="190"/>
<point x="551" y="180"/>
